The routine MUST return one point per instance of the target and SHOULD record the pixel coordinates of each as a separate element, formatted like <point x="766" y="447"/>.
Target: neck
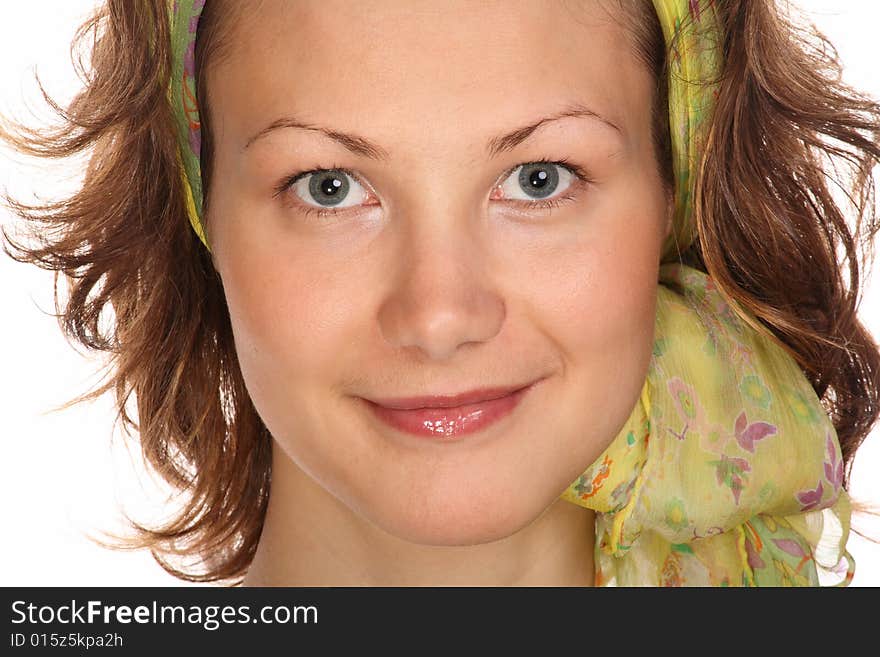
<point x="310" y="538"/>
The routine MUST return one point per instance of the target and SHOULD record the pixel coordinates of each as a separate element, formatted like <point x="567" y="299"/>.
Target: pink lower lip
<point x="450" y="422"/>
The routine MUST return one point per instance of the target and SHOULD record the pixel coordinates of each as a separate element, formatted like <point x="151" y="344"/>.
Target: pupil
<point x="331" y="186"/>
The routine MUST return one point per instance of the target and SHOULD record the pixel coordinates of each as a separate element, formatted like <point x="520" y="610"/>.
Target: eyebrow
<point x="494" y="147"/>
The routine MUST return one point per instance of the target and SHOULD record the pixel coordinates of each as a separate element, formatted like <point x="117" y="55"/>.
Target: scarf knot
<point x="728" y="470"/>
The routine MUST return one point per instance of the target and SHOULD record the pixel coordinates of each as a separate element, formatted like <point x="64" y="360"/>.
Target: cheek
<point x="597" y="305"/>
<point x="598" y="299"/>
<point x="612" y="310"/>
<point x="289" y="320"/>
<point x="609" y="336"/>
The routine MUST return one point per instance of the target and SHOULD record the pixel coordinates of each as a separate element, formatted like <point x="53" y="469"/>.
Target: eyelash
<point x="581" y="180"/>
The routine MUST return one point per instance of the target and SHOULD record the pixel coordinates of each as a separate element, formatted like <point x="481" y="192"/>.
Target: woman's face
<point x="441" y="271"/>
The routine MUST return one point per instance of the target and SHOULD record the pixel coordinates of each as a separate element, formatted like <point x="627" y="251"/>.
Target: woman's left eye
<point x="540" y="181"/>
<point x="530" y="185"/>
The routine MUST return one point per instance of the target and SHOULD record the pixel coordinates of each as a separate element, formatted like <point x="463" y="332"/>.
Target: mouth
<point x="449" y="417"/>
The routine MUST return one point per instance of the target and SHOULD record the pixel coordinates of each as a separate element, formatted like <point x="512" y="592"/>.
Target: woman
<point x="411" y="341"/>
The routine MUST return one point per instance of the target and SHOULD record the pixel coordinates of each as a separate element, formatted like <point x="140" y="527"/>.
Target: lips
<point x="448" y="401"/>
<point x="449" y="416"/>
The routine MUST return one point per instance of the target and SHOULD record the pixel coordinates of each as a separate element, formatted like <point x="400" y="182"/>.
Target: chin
<point x="463" y="520"/>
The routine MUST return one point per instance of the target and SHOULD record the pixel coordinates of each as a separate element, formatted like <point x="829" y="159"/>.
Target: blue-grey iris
<point x="328" y="187"/>
<point x="538" y="179"/>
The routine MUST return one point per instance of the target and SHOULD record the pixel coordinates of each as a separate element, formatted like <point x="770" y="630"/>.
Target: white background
<point x="60" y="477"/>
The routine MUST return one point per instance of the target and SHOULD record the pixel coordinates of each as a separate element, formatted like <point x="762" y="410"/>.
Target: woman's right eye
<point x="324" y="191"/>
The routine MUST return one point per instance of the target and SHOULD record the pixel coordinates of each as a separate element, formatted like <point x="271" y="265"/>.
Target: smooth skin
<point x="438" y="275"/>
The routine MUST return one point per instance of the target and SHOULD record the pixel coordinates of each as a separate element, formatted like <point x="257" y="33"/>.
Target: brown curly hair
<point x="769" y="233"/>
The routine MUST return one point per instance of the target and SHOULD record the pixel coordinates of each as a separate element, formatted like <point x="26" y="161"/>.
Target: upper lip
<point x="449" y="401"/>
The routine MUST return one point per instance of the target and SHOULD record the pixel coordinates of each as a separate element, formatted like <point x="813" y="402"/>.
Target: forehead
<point x="391" y="69"/>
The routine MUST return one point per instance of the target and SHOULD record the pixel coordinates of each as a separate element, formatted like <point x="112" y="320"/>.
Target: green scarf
<point x="728" y="471"/>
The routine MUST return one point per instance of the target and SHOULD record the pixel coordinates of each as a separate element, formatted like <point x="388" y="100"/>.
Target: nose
<point x="443" y="295"/>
